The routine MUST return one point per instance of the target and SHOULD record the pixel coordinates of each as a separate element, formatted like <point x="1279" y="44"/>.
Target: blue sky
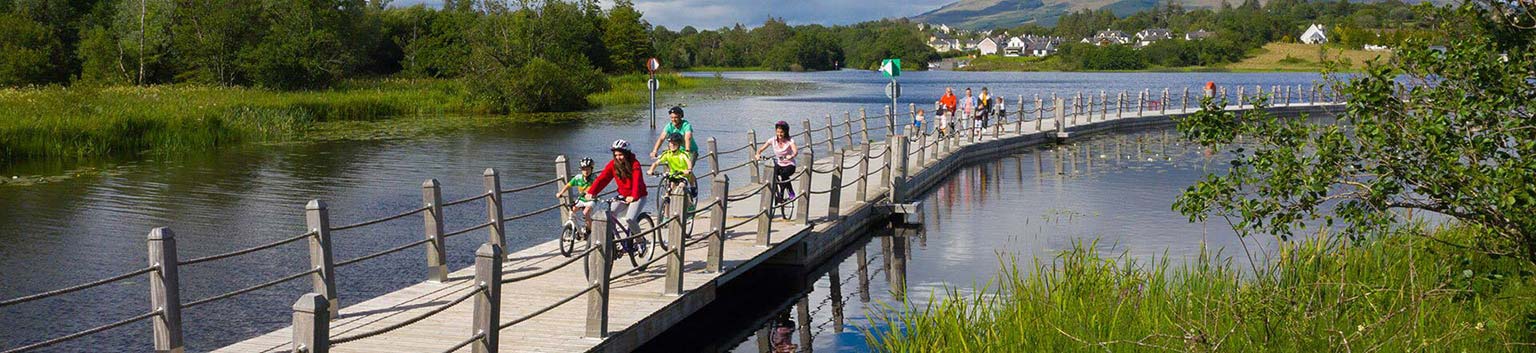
<point x="709" y="14"/>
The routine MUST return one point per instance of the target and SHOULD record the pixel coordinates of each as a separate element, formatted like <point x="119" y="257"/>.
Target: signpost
<point x="651" y="65"/>
<point x="891" y="68"/>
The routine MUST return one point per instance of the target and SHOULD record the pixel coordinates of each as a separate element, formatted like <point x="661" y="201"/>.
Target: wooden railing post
<point x="487" y="315"/>
<point x="766" y="199"/>
<point x="562" y="177"/>
<point x="863" y="192"/>
<point x="599" y="264"/>
<point x="320" y="259"/>
<point x="864" y="123"/>
<point x="1287" y="95"/>
<point x="888" y="158"/>
<point x="1120" y="106"/>
<point x="803" y="205"/>
<point x="757" y="165"/>
<point x="1241" y="97"/>
<point x="848" y="126"/>
<point x="720" y="188"/>
<point x="714" y="158"/>
<point x="432" y="222"/>
<point x="1040" y="112"/>
<point x="898" y="175"/>
<point x="1141" y="106"/>
<point x="165" y="291"/>
<point x="912" y="113"/>
<point x="1088" y="112"/>
<point x="675" y="236"/>
<point x="1061" y="115"/>
<point x="831" y="134"/>
<point x="1184" y="105"/>
<point x="835" y="198"/>
<point x="1077" y="107"/>
<point x="311" y="324"/>
<point x="922" y="149"/>
<point x="493" y="207"/>
<point x="810" y="141"/>
<point x="1018" y="125"/>
<point x="1162" y="105"/>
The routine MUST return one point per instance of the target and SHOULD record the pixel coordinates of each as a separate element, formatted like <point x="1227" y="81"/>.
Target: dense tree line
<point x="777" y="45"/>
<point x="1239" y="29"/>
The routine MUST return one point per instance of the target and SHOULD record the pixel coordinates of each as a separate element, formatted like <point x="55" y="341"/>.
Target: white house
<point x="1148" y="36"/>
<point x="1016" y="47"/>
<point x="1314" y="35"/>
<point x="1373" y="47"/>
<point x="1200" y="34"/>
<point x="1108" y="36"/>
<point x="991" y="45"/>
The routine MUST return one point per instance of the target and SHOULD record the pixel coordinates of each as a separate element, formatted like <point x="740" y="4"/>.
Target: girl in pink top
<point x="784" y="153"/>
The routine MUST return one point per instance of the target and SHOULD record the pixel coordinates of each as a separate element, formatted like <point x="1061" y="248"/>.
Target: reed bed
<point x="1399" y="293"/>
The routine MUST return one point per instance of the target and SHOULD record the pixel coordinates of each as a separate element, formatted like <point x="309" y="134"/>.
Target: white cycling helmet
<point x="620" y="144"/>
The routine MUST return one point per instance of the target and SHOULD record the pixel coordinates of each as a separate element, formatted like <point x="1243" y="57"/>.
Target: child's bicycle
<point x="668" y="185"/>
<point x="639" y="249"/>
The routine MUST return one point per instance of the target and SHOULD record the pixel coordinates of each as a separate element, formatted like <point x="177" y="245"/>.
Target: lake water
<point x="91" y="226"/>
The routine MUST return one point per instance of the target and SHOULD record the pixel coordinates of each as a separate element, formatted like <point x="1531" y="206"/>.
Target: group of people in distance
<point x="624" y="170"/>
<point x="974" y="113"/>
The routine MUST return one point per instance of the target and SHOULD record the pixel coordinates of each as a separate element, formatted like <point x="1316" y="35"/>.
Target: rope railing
<point x="247" y="250"/>
<point x="749" y="219"/>
<point x="385" y="252"/>
<point x="248" y="289"/>
<point x="408" y="322"/>
<point x="633" y="236"/>
<point x="759" y="189"/>
<point x="660" y="256"/>
<point x="467" y="230"/>
<point x="531" y="187"/>
<point x="533" y="213"/>
<point x="738" y="149"/>
<point x="78" y="287"/>
<point x="546" y="309"/>
<point x="554" y="268"/>
<point x="75" y="335"/>
<point x="382" y="220"/>
<point x="462" y="201"/>
<point x="699" y="210"/>
<point x="465" y="342"/>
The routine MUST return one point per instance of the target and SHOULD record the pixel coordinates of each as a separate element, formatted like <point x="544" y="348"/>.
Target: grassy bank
<point x="1396" y="294"/>
<point x="76" y="123"/>
<point x="1303" y="57"/>
<point x="725" y="68"/>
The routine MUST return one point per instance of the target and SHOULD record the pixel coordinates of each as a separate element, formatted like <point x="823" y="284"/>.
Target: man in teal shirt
<point x="680" y="127"/>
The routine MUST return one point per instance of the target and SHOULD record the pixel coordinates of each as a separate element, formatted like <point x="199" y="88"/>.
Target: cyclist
<point x="784" y="153"/>
<point x="581" y="182"/>
<point x="624" y="172"/>
<point x="677" y="126"/>
<point x="679" y="163"/>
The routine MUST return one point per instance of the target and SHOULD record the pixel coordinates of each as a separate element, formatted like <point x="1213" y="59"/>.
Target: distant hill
<point x="988" y="14"/>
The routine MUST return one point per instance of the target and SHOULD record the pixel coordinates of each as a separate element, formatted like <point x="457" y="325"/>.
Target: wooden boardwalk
<point x="638" y="309"/>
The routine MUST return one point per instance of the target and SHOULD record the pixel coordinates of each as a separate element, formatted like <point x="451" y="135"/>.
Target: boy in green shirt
<point x="581" y="182"/>
<point x="678" y="161"/>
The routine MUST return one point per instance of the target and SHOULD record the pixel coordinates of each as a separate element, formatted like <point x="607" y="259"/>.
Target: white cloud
<point x="710" y="14"/>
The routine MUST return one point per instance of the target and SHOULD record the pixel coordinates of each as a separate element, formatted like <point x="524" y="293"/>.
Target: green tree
<point x="1450" y="132"/>
<point x="210" y="37"/>
<point x="26" y="49"/>
<point x="627" y="38"/>
<point x="308" y="43"/>
<point x="129" y="43"/>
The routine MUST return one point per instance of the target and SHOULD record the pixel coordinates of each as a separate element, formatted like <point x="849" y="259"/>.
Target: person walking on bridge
<point x="967" y="109"/>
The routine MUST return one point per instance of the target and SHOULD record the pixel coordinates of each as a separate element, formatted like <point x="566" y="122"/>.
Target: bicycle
<point x="669" y="185"/>
<point x="572" y="232"/>
<point x="781" y="202"/>
<point x="637" y="249"/>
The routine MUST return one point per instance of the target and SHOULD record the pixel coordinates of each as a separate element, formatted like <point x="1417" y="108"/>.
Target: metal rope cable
<point x="697" y="210"/>
<point x="382" y="220"/>
<point x="820" y="171"/>
<point x="533" y="213"/>
<point x="83" y="333"/>
<point x="743" y="164"/>
<point x="747" y="195"/>
<point x="246" y="251"/>
<point x="65" y="290"/>
<point x="385" y="252"/>
<point x="871" y="173"/>
<point x="878" y="155"/>
<point x="472" y="198"/>
<point x="531" y="187"/>
<point x="467" y="230"/>
<point x="738" y="149"/>
<point x="398" y="325"/>
<point x="247" y="289"/>
<point x="545" y="271"/>
<point x="634" y="236"/>
<point x="546" y="309"/>
<point x="647" y="264"/>
<point x="466" y="342"/>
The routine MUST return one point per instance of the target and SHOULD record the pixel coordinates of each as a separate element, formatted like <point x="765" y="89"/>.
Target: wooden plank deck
<point x="637" y="305"/>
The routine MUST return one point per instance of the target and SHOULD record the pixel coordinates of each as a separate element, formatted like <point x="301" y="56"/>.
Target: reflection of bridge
<point x="523" y="301"/>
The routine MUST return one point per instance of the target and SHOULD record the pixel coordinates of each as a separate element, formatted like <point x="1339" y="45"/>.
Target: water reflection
<point x="1115" y="189"/>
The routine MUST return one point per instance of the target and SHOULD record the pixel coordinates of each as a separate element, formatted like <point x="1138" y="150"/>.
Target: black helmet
<point x="586" y="163"/>
<point x="676" y="110"/>
<point x="675" y="138"/>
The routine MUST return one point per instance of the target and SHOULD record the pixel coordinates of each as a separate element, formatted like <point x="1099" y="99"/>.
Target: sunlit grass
<point x="1396" y="294"/>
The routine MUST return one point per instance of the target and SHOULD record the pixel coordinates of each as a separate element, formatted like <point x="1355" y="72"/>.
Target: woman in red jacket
<point x="624" y="170"/>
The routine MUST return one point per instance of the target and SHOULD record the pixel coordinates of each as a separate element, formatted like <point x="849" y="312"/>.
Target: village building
<point x="1200" y="34"/>
<point x="1108" y="36"/>
<point x="991" y="45"/>
<point x="1148" y="36"/>
<point x="1315" y="34"/>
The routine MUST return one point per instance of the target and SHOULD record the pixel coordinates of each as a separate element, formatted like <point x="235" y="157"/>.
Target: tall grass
<point x="1396" y="294"/>
<point x="631" y="90"/>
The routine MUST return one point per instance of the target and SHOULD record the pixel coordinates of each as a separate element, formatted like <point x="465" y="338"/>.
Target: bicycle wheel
<point x="643" y="248"/>
<point x="568" y="235"/>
